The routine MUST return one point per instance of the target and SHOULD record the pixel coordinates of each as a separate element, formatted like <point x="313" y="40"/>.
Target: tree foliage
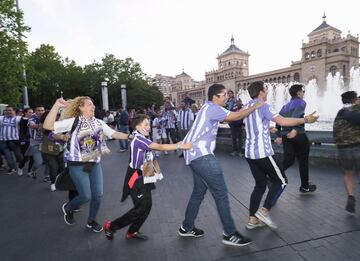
<point x="12" y="51"/>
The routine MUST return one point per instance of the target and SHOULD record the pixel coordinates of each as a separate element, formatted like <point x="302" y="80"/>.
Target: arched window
<point x="319" y="53"/>
<point x="288" y="78"/>
<point x="333" y="70"/>
<point x="279" y="79"/>
<point x="344" y="69"/>
<point x="307" y="56"/>
<point x="283" y="79"/>
<point x="312" y="54"/>
<point x="296" y="77"/>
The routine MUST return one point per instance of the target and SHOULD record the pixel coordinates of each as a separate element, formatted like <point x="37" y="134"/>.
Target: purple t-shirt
<point x="139" y="150"/>
<point x="204" y="130"/>
<point x="257" y="126"/>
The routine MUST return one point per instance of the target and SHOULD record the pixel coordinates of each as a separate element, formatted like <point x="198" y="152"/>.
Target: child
<point x="134" y="185"/>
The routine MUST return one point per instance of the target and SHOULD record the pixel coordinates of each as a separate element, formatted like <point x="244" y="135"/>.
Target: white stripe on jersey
<point x="260" y="143"/>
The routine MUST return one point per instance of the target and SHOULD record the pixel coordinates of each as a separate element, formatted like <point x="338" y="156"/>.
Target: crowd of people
<point x="69" y="138"/>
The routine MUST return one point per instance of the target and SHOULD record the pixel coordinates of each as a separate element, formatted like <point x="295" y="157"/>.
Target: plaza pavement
<point x="311" y="227"/>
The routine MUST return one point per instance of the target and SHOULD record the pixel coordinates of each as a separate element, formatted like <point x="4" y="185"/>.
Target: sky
<point x="167" y="36"/>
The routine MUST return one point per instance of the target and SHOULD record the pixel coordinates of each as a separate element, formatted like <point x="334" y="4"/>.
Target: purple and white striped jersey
<point x="257" y="125"/>
<point x="9" y="127"/>
<point x="185" y="117"/>
<point x="36" y="136"/>
<point x="87" y="140"/>
<point x="204" y="130"/>
<point x="169" y="119"/>
<point x="139" y="150"/>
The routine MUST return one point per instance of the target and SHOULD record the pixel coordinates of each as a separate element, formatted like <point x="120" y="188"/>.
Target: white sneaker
<point x="266" y="219"/>
<point x="20" y="172"/>
<point x="52" y="187"/>
<point x="252" y="225"/>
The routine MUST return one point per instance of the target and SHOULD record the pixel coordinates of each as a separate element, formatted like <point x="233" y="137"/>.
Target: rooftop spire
<point x="232" y="40"/>
<point x="324" y="17"/>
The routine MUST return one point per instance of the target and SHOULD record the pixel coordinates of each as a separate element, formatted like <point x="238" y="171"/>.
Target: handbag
<point x="63" y="181"/>
<point x="151" y="171"/>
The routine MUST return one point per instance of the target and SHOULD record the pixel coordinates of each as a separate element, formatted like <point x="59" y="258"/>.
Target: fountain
<point x="326" y="102"/>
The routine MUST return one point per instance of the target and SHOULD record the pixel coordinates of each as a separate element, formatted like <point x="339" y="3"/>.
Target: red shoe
<point x="109" y="234"/>
<point x="136" y="235"/>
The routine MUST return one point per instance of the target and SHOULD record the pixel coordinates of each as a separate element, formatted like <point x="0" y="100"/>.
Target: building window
<point x="312" y="54"/>
<point x="307" y="56"/>
<point x="333" y="70"/>
<point x="288" y="78"/>
<point x="319" y="53"/>
<point x="344" y="69"/>
<point x="296" y="77"/>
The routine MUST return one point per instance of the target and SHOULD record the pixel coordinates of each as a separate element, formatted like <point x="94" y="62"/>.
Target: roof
<point x="324" y="26"/>
<point x="232" y="49"/>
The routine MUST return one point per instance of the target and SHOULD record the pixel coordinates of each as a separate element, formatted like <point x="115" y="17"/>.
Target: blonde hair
<point x="73" y="107"/>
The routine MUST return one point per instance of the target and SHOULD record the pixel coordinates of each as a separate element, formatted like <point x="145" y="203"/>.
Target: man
<point x="231" y="101"/>
<point x="36" y="136"/>
<point x="185" y="120"/>
<point x="346" y="133"/>
<point x="259" y="155"/>
<point x="237" y="129"/>
<point x="294" y="139"/>
<point x="9" y="138"/>
<point x="122" y="117"/>
<point x="188" y="101"/>
<point x="206" y="169"/>
<point x="170" y="119"/>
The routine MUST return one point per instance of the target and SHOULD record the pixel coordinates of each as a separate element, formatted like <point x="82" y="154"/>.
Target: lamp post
<point x="123" y="96"/>
<point x="25" y="89"/>
<point x="104" y="95"/>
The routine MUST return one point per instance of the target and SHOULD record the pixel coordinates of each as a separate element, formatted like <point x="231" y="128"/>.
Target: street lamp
<point x="25" y="89"/>
<point x="104" y="95"/>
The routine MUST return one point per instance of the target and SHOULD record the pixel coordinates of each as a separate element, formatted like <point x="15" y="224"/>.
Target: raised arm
<point x="235" y="116"/>
<point x="51" y="117"/>
<point x="280" y="120"/>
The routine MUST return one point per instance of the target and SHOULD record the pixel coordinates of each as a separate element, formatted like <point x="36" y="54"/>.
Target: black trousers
<point x="55" y="163"/>
<point x="264" y="170"/>
<point x="135" y="217"/>
<point x="173" y="134"/>
<point x="237" y="137"/>
<point x="24" y="147"/>
<point x="298" y="147"/>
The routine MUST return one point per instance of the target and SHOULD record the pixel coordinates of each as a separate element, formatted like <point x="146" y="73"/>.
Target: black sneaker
<point x="236" y="239"/>
<point x="195" y="232"/>
<point x="350" y="205"/>
<point x="136" y="235"/>
<point x="109" y="233"/>
<point x="95" y="226"/>
<point x="47" y="179"/>
<point x="68" y="215"/>
<point x="310" y="188"/>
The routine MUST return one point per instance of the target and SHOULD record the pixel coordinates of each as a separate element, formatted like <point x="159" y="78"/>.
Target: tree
<point x="12" y="51"/>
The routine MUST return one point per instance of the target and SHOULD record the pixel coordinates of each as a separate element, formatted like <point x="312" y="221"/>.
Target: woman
<point x="87" y="143"/>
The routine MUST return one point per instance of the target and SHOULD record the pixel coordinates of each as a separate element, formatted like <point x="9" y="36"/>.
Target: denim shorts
<point x="349" y="158"/>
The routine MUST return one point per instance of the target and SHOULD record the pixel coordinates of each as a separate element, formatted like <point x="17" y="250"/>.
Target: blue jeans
<point x="6" y="148"/>
<point x="38" y="159"/>
<point x="124" y="143"/>
<point x="90" y="188"/>
<point x="207" y="174"/>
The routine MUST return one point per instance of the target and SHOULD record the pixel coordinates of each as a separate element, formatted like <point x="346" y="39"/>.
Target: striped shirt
<point x="204" y="130"/>
<point x="185" y="117"/>
<point x="87" y="140"/>
<point x="169" y="120"/>
<point x="257" y="126"/>
<point x="139" y="150"/>
<point x="9" y="127"/>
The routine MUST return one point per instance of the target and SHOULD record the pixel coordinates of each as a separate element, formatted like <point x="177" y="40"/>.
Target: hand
<point x="311" y="118"/>
<point x="60" y="103"/>
<point x="291" y="134"/>
<point x="278" y="141"/>
<point x="273" y="130"/>
<point x="186" y="146"/>
<point x="130" y="137"/>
